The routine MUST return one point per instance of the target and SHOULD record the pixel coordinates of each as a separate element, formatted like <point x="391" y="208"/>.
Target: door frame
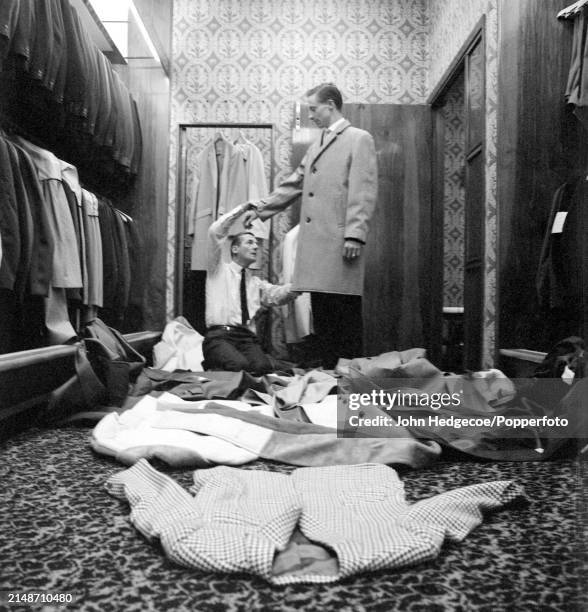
<point x="473" y="340"/>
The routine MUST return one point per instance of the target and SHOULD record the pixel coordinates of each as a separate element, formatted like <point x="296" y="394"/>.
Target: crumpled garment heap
<point x="200" y="434"/>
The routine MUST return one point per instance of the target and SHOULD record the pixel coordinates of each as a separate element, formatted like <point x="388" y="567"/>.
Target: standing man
<point x="337" y="179"/>
<point x="233" y="297"/>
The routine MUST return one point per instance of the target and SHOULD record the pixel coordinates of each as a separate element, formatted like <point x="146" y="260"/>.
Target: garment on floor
<point x="310" y="387"/>
<point x="197" y="385"/>
<point x="151" y="427"/>
<point x="241" y="520"/>
<point x="131" y="436"/>
<point x="487" y="416"/>
<point x="411" y="363"/>
<point x="180" y="347"/>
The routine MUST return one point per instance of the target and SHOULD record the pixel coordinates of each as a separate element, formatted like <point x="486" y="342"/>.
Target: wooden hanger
<point x="572" y="10"/>
<point x="126" y="218"/>
<point x="241" y="139"/>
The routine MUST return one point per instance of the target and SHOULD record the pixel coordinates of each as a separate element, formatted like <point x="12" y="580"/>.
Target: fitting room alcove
<point x="407" y="271"/>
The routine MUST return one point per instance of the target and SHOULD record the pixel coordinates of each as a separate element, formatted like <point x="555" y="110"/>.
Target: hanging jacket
<point x="559" y="275"/>
<point x="216" y="189"/>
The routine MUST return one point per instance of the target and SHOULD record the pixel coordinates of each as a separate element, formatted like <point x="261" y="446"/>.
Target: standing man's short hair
<point x="327" y="91"/>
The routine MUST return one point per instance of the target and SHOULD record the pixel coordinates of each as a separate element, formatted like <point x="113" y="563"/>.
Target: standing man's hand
<point x="351" y="250"/>
<point x="249" y="217"/>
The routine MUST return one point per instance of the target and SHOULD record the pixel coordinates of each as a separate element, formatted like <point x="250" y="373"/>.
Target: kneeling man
<point x="233" y="297"/>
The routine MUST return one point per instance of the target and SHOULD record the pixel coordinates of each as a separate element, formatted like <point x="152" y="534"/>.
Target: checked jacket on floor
<point x="242" y="520"/>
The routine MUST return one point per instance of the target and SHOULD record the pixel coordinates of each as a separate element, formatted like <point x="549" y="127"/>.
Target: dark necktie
<point x="243" y="292"/>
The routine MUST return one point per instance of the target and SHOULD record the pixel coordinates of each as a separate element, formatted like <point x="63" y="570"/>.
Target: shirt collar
<point x="333" y="127"/>
<point x="235" y="267"/>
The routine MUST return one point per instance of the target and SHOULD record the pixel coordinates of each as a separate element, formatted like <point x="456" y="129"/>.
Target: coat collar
<point x="329" y="140"/>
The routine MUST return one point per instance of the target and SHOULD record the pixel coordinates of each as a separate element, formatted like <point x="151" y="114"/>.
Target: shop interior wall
<point x="147" y="200"/>
<point x="541" y="145"/>
<point x="251" y="61"/>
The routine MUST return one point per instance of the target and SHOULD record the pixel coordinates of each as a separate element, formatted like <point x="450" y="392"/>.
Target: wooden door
<point x="475" y="197"/>
<point x="469" y="67"/>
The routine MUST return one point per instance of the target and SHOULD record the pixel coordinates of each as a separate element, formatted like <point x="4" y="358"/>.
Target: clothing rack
<point x="10" y="127"/>
<point x="181" y="191"/>
<point x="572" y="10"/>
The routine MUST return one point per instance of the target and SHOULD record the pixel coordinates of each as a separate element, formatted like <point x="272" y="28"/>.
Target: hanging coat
<point x="297" y="314"/>
<point x="216" y="189"/>
<point x="338" y="183"/>
<point x="256" y="184"/>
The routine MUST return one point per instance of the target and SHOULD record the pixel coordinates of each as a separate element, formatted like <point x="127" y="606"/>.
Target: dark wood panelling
<point x="475" y="202"/>
<point x="398" y="271"/>
<point x="147" y="202"/>
<point x="436" y="237"/>
<point x="474" y="261"/>
<point x="540" y="145"/>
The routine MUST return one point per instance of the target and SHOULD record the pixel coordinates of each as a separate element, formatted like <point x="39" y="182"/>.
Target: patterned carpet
<point x="63" y="533"/>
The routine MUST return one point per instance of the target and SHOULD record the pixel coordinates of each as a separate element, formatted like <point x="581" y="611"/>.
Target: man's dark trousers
<point x="234" y="348"/>
<point x="338" y="325"/>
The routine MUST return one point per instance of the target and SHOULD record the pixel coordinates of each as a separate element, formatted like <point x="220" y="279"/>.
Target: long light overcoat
<point x="338" y="183"/>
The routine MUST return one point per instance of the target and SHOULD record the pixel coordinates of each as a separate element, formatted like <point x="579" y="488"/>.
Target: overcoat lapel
<point x="329" y="140"/>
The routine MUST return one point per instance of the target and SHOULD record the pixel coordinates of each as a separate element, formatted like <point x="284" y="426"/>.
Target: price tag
<point x="558" y="222"/>
<point x="568" y="376"/>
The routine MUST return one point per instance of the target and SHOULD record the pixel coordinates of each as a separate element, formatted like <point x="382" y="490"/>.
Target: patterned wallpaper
<point x="451" y="22"/>
<point x="454" y="196"/>
<point x="250" y="61"/>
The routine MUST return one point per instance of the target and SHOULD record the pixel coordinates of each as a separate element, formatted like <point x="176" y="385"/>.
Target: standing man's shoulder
<point x="358" y="133"/>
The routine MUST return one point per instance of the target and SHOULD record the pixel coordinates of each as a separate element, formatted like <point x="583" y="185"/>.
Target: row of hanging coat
<point x="55" y="81"/>
<point x="226" y="175"/>
<point x="63" y="249"/>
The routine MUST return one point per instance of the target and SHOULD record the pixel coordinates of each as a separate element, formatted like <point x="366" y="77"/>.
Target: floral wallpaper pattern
<point x="454" y="196"/>
<point x="250" y="61"/>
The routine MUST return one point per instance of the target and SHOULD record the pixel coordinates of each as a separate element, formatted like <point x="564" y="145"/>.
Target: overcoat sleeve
<point x="363" y="187"/>
<point x="284" y="194"/>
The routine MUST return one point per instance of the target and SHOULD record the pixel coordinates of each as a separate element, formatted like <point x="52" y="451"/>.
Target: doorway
<point x="458" y="106"/>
